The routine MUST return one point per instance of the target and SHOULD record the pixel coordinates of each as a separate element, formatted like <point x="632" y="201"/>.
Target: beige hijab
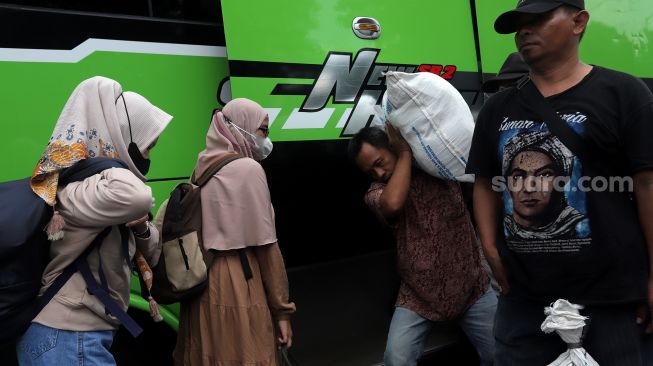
<point x="93" y="123"/>
<point x="236" y="207"/>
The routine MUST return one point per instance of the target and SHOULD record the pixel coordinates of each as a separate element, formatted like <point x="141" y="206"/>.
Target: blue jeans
<point x="42" y="345"/>
<point x="409" y="332"/>
<point x="612" y="338"/>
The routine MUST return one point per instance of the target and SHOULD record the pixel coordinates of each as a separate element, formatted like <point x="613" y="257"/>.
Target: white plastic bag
<point x="434" y="119"/>
<point x="563" y="318"/>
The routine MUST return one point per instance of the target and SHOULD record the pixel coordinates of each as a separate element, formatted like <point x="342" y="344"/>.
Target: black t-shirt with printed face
<point x="568" y="229"/>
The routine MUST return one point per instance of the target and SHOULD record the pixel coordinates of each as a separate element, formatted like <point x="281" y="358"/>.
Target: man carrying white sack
<point x="541" y="153"/>
<point x="438" y="258"/>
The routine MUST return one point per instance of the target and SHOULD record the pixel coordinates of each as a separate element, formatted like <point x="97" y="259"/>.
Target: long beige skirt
<point x="230" y="323"/>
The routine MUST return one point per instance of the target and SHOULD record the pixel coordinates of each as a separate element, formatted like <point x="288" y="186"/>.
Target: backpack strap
<point x="214" y="168"/>
<point x="80" y="171"/>
<point x="556" y="125"/>
<point x="563" y="131"/>
<point x="69" y="271"/>
<point x="247" y="270"/>
<point x="88" y="167"/>
<point x="100" y="291"/>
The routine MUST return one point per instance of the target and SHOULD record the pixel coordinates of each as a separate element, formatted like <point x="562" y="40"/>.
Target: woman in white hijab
<point x="246" y="301"/>
<point x="99" y="120"/>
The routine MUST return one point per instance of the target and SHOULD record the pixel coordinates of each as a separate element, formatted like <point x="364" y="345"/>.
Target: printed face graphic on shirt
<point x="543" y="209"/>
<point x="530" y="184"/>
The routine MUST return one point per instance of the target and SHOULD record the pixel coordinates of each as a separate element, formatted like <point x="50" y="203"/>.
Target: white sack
<point x="434" y="119"/>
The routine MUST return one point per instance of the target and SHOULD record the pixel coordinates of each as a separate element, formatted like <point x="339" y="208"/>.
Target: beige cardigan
<point x="112" y="197"/>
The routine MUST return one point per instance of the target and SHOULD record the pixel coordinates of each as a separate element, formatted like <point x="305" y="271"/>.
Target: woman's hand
<point x="285" y="333"/>
<point x="138" y="226"/>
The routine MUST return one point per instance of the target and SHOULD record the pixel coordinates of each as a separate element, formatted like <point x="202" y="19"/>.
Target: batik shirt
<point x="438" y="257"/>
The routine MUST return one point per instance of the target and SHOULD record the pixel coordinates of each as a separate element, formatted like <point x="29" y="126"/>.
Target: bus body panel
<point x="319" y="83"/>
<point x="618" y="36"/>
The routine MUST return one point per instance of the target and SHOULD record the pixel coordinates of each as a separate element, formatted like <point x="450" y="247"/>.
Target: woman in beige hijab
<point x="244" y="313"/>
<point x="99" y="120"/>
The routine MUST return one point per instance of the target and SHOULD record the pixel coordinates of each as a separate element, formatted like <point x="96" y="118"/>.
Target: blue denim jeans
<point x="409" y="331"/>
<point x="42" y="345"/>
<point x="612" y="338"/>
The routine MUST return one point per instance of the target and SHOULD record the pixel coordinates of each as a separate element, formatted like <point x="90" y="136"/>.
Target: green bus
<point x="317" y="67"/>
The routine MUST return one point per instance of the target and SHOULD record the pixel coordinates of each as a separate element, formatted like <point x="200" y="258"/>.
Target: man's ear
<point x="581" y="19"/>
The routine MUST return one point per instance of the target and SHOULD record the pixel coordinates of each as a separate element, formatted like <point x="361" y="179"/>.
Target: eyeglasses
<point x="264" y="129"/>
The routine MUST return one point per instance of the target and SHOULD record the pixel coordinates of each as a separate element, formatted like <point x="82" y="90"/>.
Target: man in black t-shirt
<point x="555" y="226"/>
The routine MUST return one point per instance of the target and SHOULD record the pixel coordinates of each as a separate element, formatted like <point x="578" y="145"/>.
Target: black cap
<point x="512" y="70"/>
<point x="506" y="22"/>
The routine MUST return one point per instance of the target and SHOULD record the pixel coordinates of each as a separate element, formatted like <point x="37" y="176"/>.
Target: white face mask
<point x="261" y="146"/>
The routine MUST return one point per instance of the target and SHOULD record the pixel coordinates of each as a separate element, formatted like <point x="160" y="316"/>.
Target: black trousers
<point x="612" y="338"/>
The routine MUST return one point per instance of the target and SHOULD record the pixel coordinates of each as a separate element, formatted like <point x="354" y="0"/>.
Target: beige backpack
<point x="182" y="269"/>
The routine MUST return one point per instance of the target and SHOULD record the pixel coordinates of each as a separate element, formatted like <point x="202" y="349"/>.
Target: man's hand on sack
<point x="397" y="142"/>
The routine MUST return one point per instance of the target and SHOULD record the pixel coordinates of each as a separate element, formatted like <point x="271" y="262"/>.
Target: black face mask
<point x="142" y="164"/>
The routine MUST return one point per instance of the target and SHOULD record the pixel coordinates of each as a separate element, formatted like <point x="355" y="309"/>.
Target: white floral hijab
<point x="89" y="126"/>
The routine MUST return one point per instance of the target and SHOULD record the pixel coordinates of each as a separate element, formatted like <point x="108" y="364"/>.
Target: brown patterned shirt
<point x="438" y="258"/>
